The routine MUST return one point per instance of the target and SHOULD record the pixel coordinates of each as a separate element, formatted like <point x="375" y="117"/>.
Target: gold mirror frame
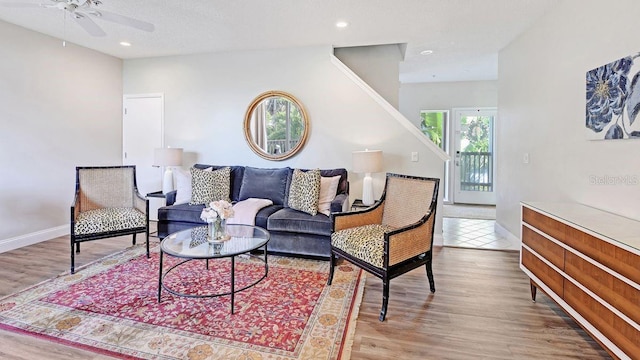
<point x="249" y="117"/>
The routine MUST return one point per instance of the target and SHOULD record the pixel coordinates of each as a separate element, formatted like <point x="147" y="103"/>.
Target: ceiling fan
<point x="83" y="10"/>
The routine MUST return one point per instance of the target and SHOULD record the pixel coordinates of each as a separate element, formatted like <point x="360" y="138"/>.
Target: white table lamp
<point x="167" y="157"/>
<point x="367" y="162"/>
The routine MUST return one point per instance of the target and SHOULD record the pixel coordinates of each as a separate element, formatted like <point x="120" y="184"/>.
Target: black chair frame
<point x="387" y="272"/>
<point x="77" y="239"/>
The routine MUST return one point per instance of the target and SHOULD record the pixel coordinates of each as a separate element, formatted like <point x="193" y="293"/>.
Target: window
<point x="435" y="125"/>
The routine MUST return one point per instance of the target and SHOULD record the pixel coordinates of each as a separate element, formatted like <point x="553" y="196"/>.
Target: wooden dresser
<point x="588" y="261"/>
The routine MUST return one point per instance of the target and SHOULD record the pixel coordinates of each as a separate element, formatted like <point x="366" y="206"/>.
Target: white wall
<point x="415" y="97"/>
<point x="60" y="107"/>
<point x="377" y="65"/>
<point x="541" y="109"/>
<point x="206" y="97"/>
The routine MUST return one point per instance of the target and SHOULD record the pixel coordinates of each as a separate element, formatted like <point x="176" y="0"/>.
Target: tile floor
<point x="474" y="233"/>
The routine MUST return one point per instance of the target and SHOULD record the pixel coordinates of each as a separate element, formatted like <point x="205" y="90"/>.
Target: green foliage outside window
<point x="277" y="110"/>
<point x="477" y="133"/>
<point x="432" y="125"/>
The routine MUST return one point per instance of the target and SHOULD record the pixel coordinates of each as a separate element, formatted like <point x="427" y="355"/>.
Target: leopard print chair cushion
<point x="108" y="219"/>
<point x="304" y="192"/>
<point x="208" y="186"/>
<point x="363" y="242"/>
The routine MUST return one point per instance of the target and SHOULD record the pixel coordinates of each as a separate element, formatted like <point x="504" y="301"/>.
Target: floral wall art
<point x="613" y="100"/>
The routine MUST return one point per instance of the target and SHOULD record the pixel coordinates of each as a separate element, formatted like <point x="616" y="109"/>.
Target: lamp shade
<point x="368" y="161"/>
<point x="167" y="157"/>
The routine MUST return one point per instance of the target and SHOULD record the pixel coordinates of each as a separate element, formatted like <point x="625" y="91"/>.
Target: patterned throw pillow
<point x="304" y="191"/>
<point x="208" y="186"/>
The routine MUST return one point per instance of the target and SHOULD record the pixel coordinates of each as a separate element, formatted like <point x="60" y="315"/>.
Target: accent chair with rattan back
<point x="393" y="236"/>
<point x="107" y="204"/>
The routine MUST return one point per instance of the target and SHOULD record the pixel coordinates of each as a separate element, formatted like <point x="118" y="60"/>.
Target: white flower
<point x="220" y="208"/>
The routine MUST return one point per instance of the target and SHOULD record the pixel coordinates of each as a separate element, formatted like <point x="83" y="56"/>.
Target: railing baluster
<point x="476" y="171"/>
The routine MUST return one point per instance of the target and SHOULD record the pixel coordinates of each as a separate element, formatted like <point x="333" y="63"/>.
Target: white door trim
<point x="454" y="146"/>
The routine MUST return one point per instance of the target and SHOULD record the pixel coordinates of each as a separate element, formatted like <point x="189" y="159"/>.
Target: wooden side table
<point x="156" y="201"/>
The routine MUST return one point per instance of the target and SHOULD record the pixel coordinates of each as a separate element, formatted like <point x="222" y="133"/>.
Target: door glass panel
<point x="476" y="153"/>
<point x="474" y="148"/>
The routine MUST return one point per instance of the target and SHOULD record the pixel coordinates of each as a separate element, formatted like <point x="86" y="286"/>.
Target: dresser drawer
<point x="543" y="246"/>
<point x="614" y="291"/>
<point x="544" y="272"/>
<point x="551" y="227"/>
<point x="621" y="333"/>
<point x="611" y="256"/>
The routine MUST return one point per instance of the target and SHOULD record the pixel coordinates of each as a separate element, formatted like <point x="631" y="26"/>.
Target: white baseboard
<point x="438" y="240"/>
<point x="505" y="233"/>
<point x="33" y="238"/>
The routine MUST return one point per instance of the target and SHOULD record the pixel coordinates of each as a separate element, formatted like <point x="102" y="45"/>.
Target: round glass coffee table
<point x="192" y="244"/>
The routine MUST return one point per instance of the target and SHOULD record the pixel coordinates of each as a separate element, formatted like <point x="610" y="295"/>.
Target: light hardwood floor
<point x="481" y="309"/>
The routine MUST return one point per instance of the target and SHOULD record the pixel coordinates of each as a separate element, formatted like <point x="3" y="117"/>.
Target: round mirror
<point x="276" y="125"/>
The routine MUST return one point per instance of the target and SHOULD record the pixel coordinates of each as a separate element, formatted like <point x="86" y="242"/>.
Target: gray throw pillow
<point x="304" y="192"/>
<point x="265" y="184"/>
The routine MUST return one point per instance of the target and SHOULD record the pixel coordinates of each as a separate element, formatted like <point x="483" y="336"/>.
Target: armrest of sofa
<point x="340" y="203"/>
<point x="170" y="197"/>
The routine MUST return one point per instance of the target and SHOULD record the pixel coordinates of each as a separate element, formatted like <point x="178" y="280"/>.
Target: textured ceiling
<point x="465" y="35"/>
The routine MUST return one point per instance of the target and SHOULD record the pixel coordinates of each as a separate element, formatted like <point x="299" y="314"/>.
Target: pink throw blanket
<point x="245" y="211"/>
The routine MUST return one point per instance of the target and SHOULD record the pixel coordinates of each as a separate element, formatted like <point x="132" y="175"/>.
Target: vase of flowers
<point x="215" y="216"/>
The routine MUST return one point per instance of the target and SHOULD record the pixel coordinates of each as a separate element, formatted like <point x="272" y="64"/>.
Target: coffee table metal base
<point x="233" y="291"/>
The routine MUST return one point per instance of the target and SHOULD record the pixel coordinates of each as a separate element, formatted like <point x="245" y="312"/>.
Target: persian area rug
<point x="111" y="307"/>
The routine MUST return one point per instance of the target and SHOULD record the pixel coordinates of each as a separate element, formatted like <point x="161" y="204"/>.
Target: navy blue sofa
<point x="292" y="232"/>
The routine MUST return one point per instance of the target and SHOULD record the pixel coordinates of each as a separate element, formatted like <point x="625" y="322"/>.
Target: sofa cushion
<point x="304" y="191"/>
<point x="263" y="215"/>
<point x="265" y="184"/>
<point x="181" y="212"/>
<point x="290" y="220"/>
<point x="208" y="186"/>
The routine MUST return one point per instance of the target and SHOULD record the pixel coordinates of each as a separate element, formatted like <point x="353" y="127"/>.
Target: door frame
<point x="453" y="146"/>
<point x="154" y="203"/>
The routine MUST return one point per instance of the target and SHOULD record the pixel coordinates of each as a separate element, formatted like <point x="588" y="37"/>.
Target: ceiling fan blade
<point x="20" y="5"/>
<point x="121" y="19"/>
<point x="89" y="25"/>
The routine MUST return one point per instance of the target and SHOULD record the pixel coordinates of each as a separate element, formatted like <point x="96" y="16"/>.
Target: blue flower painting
<point x="613" y="100"/>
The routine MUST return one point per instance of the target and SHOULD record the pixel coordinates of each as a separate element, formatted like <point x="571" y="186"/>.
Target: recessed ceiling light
<point x="342" y="24"/>
<point x="426" y="52"/>
<point x="124" y="43"/>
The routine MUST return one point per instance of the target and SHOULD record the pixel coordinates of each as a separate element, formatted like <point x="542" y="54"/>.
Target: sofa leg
<point x="134" y="239"/>
<point x="332" y="264"/>
<point x="385" y="299"/>
<point x="77" y="247"/>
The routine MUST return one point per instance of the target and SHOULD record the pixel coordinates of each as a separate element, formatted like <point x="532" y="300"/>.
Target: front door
<point x="141" y="133"/>
<point x="474" y="157"/>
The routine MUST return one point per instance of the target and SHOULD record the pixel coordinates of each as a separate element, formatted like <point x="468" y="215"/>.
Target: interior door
<point x="474" y="158"/>
<point x="142" y="131"/>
